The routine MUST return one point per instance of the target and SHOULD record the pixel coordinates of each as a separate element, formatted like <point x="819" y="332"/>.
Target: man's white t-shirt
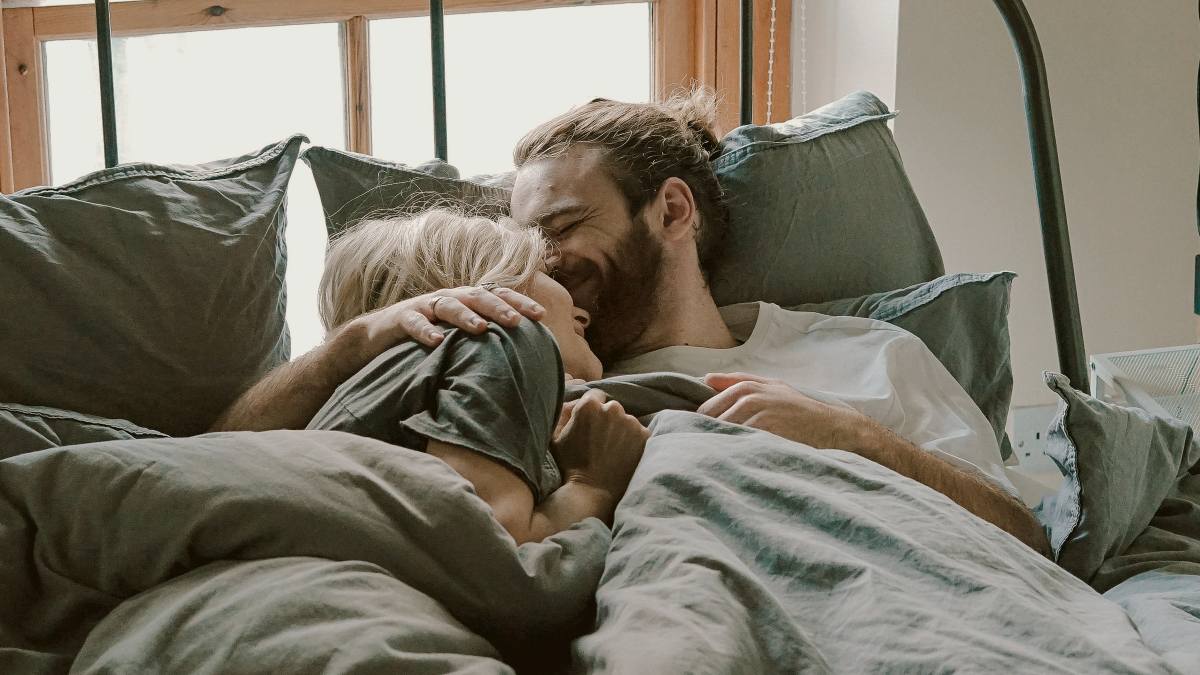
<point x="878" y="369"/>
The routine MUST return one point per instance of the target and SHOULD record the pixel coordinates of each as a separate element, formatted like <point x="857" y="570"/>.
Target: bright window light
<point x="505" y="73"/>
<point x="187" y="98"/>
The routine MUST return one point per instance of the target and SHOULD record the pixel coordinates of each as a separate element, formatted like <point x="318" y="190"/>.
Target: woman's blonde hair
<point x="378" y="262"/>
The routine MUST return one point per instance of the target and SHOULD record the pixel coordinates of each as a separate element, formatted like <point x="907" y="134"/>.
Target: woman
<point x="489" y="405"/>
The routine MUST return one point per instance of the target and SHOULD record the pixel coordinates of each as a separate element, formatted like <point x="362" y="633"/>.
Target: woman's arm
<point x="511" y="498"/>
<point x="598" y="447"/>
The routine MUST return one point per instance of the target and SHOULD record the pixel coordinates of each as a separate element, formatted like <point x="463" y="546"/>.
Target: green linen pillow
<point x="1123" y="470"/>
<point x="26" y="428"/>
<point x="963" y="319"/>
<point x="820" y="208"/>
<point x="354" y="186"/>
<point x="145" y="292"/>
<point x="820" y="205"/>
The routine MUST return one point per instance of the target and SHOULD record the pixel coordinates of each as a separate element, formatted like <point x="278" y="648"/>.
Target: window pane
<point x="505" y="73"/>
<point x="187" y="98"/>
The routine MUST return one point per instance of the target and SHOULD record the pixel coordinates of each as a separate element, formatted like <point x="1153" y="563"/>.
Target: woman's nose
<point x="583" y="317"/>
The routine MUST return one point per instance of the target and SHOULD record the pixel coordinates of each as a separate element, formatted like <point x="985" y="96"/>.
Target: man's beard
<point x="624" y="306"/>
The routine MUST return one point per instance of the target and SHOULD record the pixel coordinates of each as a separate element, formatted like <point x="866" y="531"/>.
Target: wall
<point x="1122" y="78"/>
<point x="847" y="45"/>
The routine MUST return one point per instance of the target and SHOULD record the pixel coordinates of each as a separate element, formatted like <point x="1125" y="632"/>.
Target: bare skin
<point x="597" y="448"/>
<point x="578" y="204"/>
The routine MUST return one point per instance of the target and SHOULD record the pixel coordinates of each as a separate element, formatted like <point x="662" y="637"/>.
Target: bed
<point x="131" y="541"/>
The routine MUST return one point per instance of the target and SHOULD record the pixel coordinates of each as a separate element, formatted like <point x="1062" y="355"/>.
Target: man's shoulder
<point x="811" y="322"/>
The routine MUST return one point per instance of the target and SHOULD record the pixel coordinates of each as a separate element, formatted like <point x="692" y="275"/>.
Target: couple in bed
<point x="624" y="198"/>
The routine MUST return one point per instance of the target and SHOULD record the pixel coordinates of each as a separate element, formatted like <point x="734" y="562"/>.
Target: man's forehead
<point x="555" y="186"/>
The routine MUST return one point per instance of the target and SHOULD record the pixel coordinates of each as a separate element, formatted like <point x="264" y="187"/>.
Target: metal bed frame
<point x="1056" y="241"/>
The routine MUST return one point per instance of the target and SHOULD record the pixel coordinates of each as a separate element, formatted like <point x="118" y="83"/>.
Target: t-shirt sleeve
<point x="498" y="394"/>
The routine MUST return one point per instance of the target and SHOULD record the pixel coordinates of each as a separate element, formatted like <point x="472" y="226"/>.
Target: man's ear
<point x="677" y="206"/>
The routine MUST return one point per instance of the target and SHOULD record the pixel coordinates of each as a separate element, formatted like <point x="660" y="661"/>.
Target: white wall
<point x="847" y="45"/>
<point x="1122" y="78"/>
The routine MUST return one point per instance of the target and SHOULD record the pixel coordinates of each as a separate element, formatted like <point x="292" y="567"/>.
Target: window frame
<point x="693" y="42"/>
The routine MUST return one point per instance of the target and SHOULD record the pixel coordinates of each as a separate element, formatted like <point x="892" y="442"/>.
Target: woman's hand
<point x="598" y="444"/>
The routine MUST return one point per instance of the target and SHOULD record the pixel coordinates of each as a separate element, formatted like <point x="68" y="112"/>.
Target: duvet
<point x="734" y="551"/>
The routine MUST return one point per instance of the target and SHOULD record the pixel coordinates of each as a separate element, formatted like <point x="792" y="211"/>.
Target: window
<point x="505" y="72"/>
<point x="194" y="97"/>
<point x="197" y="81"/>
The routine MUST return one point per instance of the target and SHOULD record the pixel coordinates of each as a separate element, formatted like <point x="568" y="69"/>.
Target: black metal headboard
<point x="1056" y="240"/>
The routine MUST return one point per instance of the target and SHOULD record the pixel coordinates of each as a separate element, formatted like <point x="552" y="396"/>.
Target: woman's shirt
<point x="498" y="394"/>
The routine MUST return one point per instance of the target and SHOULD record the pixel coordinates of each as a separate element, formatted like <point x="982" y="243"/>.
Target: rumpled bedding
<point x="734" y="551"/>
<point x="286" y="551"/>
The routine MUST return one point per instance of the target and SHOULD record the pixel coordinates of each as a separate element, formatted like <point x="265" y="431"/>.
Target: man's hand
<point x="774" y="406"/>
<point x="467" y="307"/>
<point x="598" y="444"/>
<point x="289" y="396"/>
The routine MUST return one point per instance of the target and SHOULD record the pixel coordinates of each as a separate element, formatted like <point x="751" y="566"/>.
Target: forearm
<point x="564" y="507"/>
<point x="289" y="396"/>
<point x="973" y="493"/>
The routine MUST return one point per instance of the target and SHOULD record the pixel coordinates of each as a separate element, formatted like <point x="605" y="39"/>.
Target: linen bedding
<point x="734" y="551"/>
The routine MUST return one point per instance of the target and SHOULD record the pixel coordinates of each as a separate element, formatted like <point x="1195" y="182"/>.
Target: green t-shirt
<point x="498" y="394"/>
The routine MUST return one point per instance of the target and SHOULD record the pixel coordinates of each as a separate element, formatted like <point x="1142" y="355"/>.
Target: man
<point x="628" y="193"/>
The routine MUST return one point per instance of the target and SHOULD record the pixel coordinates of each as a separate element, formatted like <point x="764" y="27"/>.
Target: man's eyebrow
<point x="543" y="219"/>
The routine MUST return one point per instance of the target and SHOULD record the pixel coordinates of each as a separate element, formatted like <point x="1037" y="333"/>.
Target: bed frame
<point x="1056" y="241"/>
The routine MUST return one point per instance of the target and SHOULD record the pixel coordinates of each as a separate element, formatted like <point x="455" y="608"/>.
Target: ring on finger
<point x="489" y="286"/>
<point x="434" y="304"/>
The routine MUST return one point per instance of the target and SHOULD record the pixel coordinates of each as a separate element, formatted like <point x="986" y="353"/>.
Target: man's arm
<point x="289" y="396"/>
<point x="774" y="406"/>
<point x="974" y="493"/>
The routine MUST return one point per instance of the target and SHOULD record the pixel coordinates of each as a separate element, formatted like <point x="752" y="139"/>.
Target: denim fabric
<point x="144" y="292"/>
<point x="820" y="209"/>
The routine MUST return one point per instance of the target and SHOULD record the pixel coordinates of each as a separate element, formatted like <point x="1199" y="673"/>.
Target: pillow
<point x="148" y="293"/>
<point x="354" y="186"/>
<point x="1171" y="543"/>
<point x="30" y="428"/>
<point x="963" y="319"/>
<point x="1119" y="465"/>
<point x="820" y="206"/>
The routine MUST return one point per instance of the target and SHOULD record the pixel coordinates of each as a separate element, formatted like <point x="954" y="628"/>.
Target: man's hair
<point x="644" y="144"/>
<point x="381" y="261"/>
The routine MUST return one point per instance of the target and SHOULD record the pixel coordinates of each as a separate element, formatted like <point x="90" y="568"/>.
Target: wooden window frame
<point x="694" y="42"/>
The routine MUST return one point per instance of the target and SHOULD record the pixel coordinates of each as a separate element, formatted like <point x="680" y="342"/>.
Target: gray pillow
<point x="26" y="428"/>
<point x="820" y="209"/>
<point x="1124" y="469"/>
<point x="145" y="292"/>
<point x="354" y="186"/>
<point x="963" y="319"/>
<point x="820" y="206"/>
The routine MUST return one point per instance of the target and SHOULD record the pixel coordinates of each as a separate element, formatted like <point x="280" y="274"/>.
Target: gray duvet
<point x="734" y="551"/>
